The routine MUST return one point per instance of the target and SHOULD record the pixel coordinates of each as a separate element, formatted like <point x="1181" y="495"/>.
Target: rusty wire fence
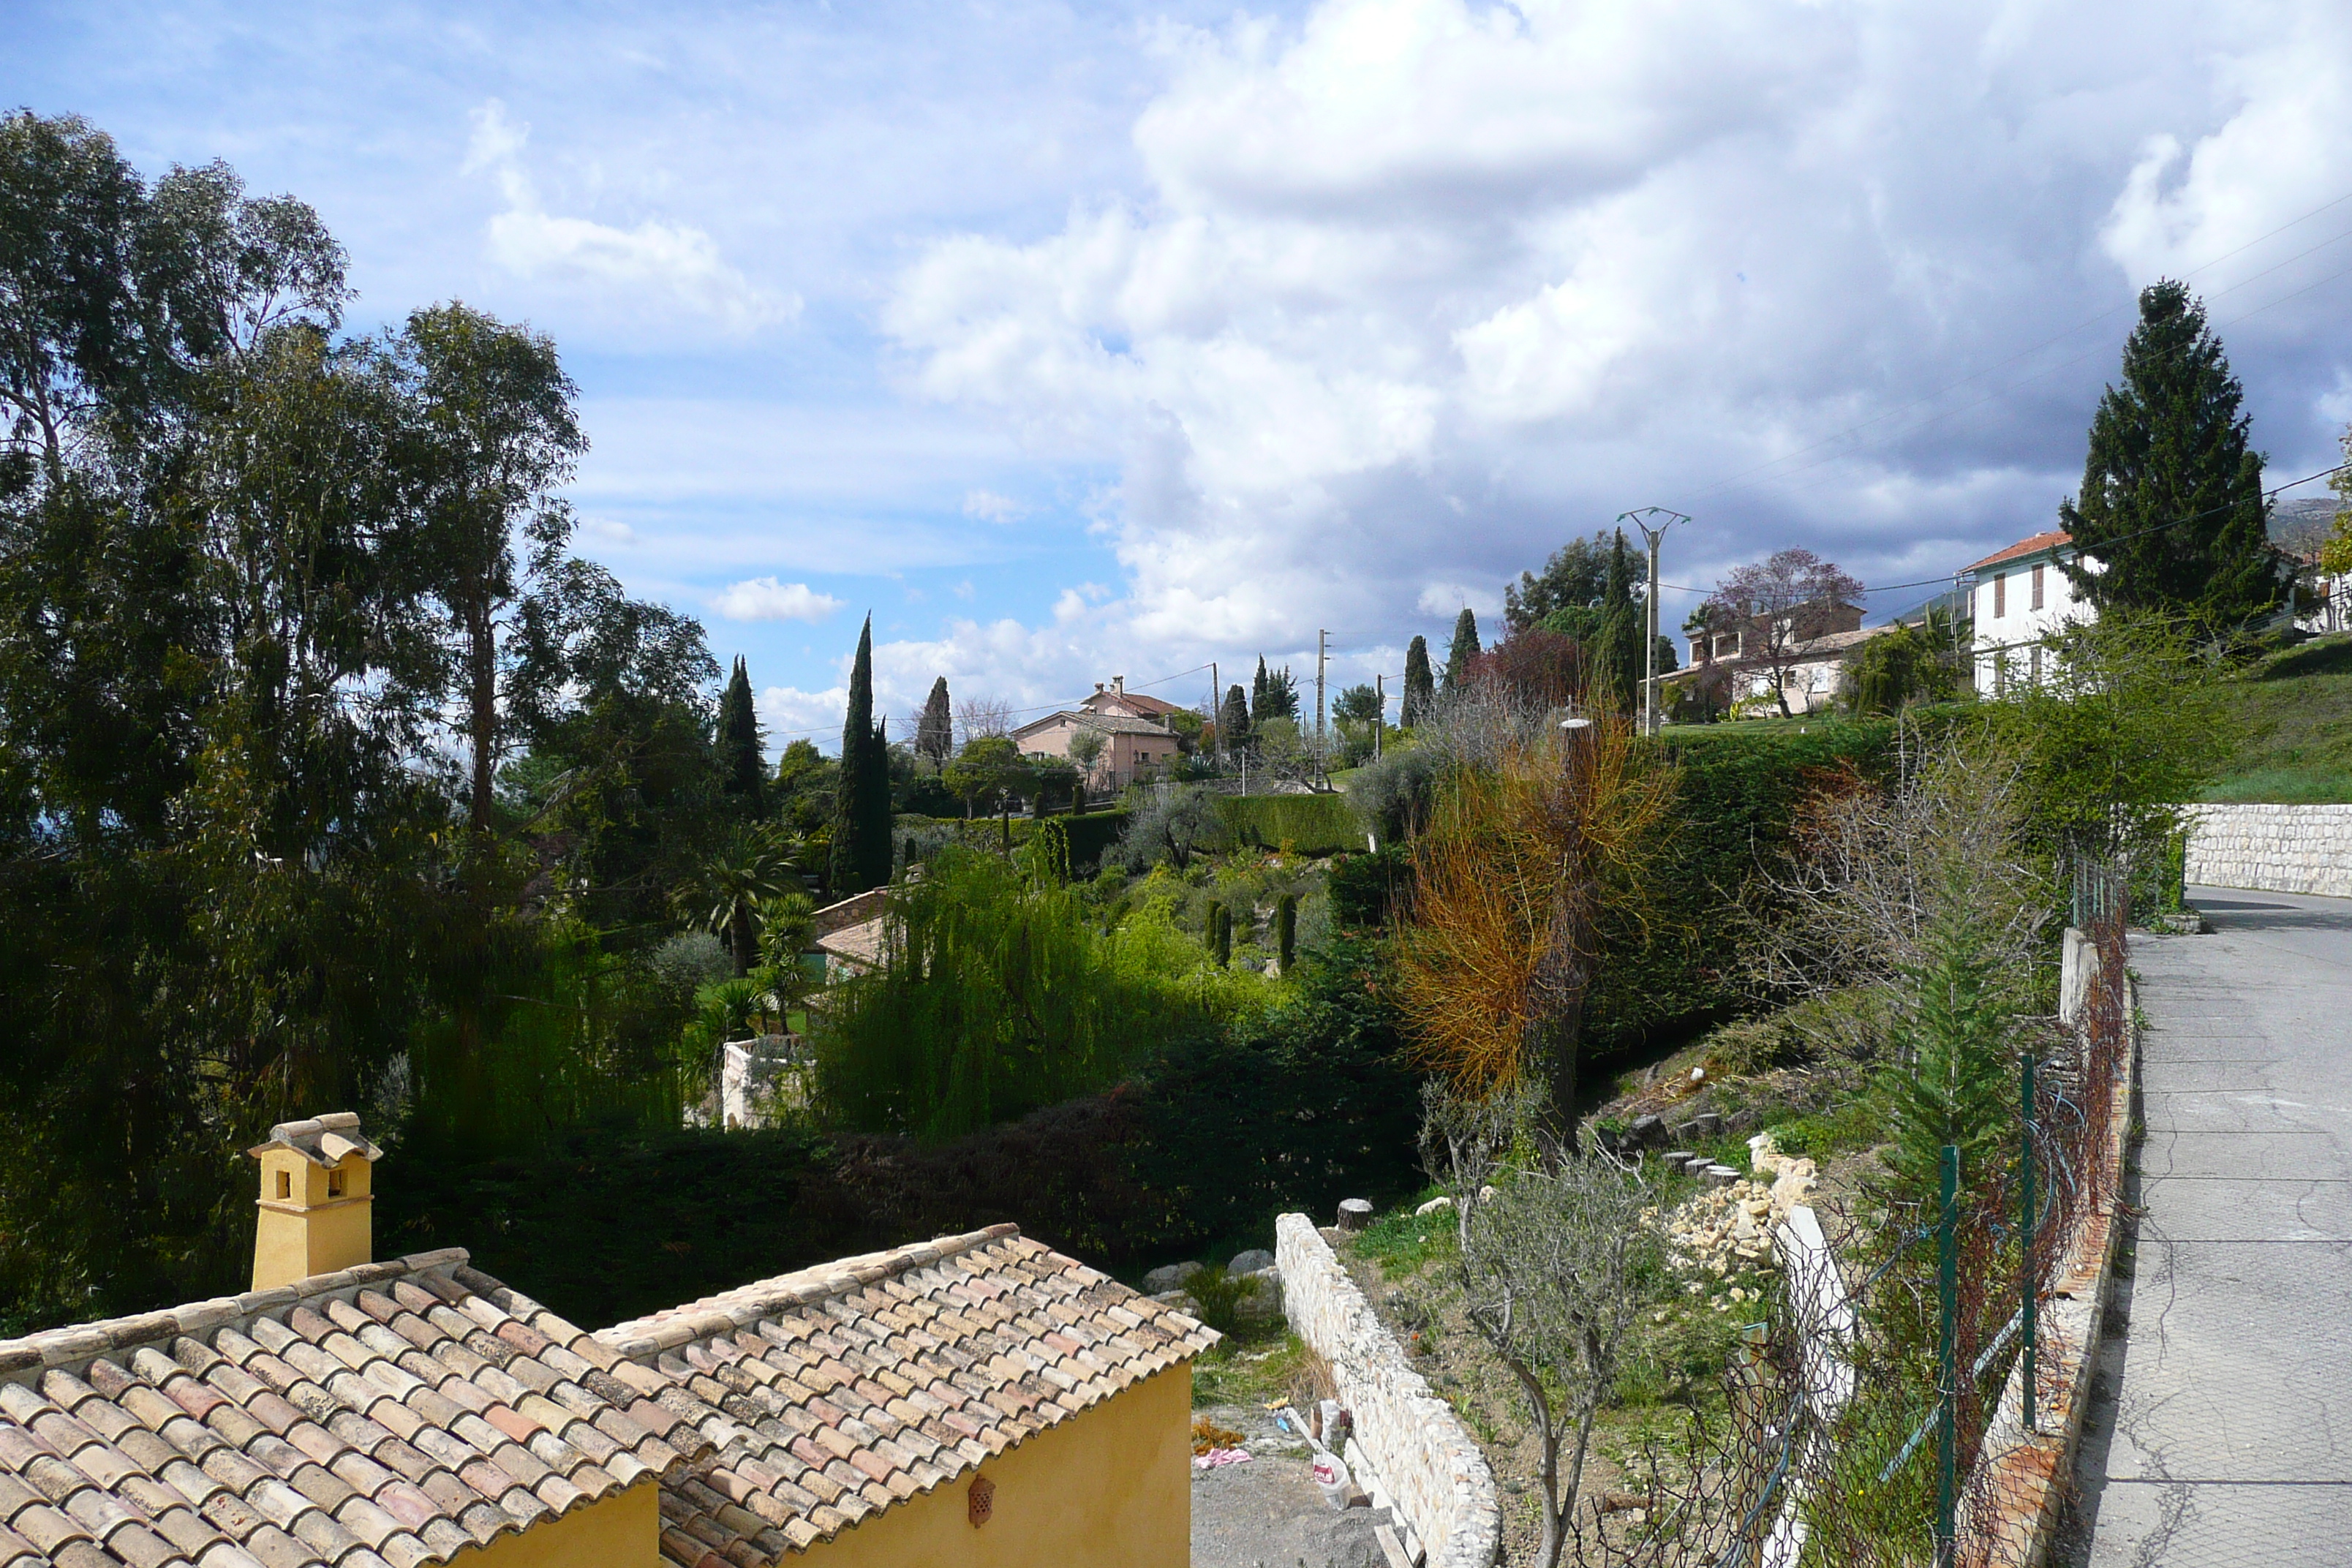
<point x="1878" y="1414"/>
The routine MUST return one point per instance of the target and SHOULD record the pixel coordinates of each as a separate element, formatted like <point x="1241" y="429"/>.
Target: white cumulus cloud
<point x="675" y="263"/>
<point x="1414" y="290"/>
<point x="766" y="599"/>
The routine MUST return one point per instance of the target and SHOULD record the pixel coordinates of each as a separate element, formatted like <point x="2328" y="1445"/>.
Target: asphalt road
<point x="2220" y="1431"/>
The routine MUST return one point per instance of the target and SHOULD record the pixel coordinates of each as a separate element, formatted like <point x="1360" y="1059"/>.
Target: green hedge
<point x="1089" y="835"/>
<point x="1739" y="788"/>
<point x="1311" y="824"/>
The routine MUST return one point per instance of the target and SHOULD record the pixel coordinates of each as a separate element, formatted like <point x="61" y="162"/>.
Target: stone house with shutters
<point x="975" y="1400"/>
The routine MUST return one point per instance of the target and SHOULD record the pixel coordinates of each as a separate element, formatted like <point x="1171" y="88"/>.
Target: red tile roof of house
<point x="2033" y="546"/>
<point x="389" y="1415"/>
<point x="395" y="1415"/>
<point x="833" y="1392"/>
<point x="1136" y="699"/>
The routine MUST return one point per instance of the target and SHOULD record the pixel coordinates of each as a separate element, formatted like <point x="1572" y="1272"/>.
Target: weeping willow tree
<point x="998" y="996"/>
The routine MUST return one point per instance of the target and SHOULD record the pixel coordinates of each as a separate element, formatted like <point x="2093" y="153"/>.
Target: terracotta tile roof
<point x="1135" y="701"/>
<point x="2033" y="546"/>
<point x="321" y="1139"/>
<point x="857" y="909"/>
<point x="860" y="945"/>
<point x="838" y="1391"/>
<point x="1101" y="723"/>
<point x="386" y="1416"/>
<point x="1832" y="644"/>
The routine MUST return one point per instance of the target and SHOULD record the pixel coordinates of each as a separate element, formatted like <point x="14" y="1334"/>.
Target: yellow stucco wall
<point x="312" y="1230"/>
<point x="1111" y="1487"/>
<point x="622" y="1531"/>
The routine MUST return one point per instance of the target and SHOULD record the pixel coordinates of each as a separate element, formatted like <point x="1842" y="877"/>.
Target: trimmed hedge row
<point x="1311" y="824"/>
<point x="1738" y="791"/>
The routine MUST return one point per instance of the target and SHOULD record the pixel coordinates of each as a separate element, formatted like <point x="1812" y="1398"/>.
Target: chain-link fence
<point x="1904" y="1399"/>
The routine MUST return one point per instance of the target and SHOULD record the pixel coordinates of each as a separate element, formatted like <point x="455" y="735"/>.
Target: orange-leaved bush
<point x="1527" y="859"/>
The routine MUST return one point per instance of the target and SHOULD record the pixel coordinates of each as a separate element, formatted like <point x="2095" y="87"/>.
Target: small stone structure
<point x="1411" y="1452"/>
<point x="2271" y="848"/>
<point x="748" y="1073"/>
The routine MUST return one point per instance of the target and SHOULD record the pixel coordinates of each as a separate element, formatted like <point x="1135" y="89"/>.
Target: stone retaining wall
<point x="1416" y="1450"/>
<point x="2272" y="849"/>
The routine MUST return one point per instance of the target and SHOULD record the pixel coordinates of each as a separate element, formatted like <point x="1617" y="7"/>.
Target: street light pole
<point x="1653" y="522"/>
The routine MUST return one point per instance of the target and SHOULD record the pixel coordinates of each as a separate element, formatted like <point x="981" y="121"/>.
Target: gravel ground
<point x="1269" y="1514"/>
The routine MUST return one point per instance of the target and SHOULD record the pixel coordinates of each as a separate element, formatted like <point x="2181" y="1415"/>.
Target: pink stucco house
<point x="1137" y="741"/>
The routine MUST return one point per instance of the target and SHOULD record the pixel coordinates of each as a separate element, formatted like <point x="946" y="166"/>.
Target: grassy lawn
<point x="2294" y="714"/>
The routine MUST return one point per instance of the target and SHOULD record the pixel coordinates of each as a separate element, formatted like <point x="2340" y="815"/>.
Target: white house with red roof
<point x="2019" y="597"/>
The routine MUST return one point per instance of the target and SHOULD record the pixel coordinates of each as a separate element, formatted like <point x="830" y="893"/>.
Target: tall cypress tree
<point x="1258" y="690"/>
<point x="935" y="731"/>
<point x="738" y="743"/>
<point x="861" y="815"/>
<point x="1617" y="653"/>
<point x="2171" y="506"/>
<point x="1462" y="651"/>
<point x="1420" y="687"/>
<point x="1233" y="722"/>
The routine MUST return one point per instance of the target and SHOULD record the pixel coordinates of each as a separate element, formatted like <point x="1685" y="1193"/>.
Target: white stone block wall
<point x="2272" y="849"/>
<point x="1417" y="1450"/>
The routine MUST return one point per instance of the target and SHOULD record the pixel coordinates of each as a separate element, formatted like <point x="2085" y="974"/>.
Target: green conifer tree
<point x="2171" y="507"/>
<point x="1234" y="722"/>
<point x="1420" y="687"/>
<point x="746" y="774"/>
<point x="861" y="823"/>
<point x="1617" y="651"/>
<point x="1462" y="651"/>
<point x="935" y="731"/>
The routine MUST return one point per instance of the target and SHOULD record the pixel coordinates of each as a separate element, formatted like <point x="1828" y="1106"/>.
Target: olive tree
<point x="1553" y="1264"/>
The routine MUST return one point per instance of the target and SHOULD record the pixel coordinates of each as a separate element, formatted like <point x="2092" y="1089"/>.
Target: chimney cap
<point x="326" y="1140"/>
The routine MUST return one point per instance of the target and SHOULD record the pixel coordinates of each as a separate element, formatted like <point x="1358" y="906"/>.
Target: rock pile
<point x="1722" y="1231"/>
<point x="1727" y="1229"/>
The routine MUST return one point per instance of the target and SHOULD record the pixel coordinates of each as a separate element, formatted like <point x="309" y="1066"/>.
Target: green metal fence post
<point x="2031" y="1282"/>
<point x="1948" y="1370"/>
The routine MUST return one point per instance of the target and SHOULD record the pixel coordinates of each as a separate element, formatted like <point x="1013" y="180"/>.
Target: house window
<point x="2034" y="662"/>
<point x="2000" y="595"/>
<point x="2037" y="587"/>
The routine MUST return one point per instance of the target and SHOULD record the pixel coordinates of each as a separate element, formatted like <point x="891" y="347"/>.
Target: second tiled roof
<point x="844" y="1389"/>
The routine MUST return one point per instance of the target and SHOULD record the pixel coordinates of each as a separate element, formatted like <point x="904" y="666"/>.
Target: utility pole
<point x="1379" y="713"/>
<point x="1322" y="645"/>
<point x="1653" y="522"/>
<point x="1217" y="709"/>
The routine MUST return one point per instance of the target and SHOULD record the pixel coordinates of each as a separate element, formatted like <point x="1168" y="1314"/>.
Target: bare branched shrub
<point x="1522" y="856"/>
<point x="1873" y="866"/>
<point x="982" y="719"/>
<point x="1552" y="1260"/>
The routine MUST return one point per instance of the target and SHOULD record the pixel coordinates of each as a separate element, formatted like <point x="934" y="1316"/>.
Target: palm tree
<point x="755" y="864"/>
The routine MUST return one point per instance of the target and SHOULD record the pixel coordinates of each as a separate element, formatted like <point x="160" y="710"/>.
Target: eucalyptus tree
<point x="496" y="437"/>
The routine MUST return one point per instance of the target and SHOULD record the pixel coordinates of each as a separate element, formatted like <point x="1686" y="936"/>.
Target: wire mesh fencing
<point x="1902" y="1401"/>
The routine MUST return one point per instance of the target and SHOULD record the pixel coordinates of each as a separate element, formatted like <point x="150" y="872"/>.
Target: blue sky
<point x="1083" y="340"/>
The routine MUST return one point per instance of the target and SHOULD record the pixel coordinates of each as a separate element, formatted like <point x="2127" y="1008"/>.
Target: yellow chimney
<point x="315" y="1199"/>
